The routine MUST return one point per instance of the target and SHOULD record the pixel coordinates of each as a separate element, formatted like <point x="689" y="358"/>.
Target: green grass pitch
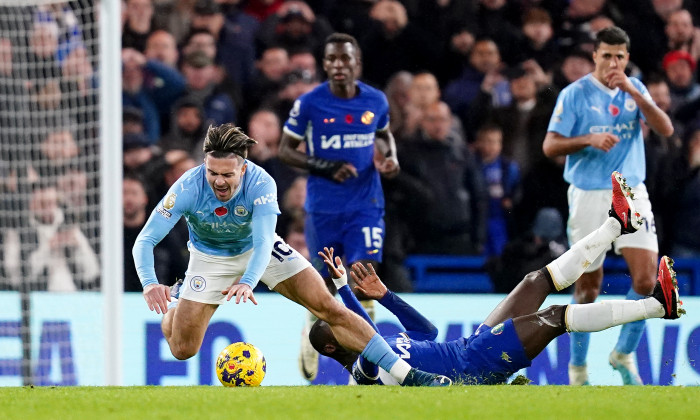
<point x="350" y="402"/>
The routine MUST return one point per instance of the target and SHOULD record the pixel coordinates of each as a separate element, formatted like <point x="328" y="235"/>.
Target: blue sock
<point x="579" y="347"/>
<point x="378" y="352"/>
<point x="631" y="333"/>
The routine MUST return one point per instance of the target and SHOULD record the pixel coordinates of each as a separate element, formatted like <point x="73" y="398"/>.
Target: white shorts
<point x="588" y="209"/>
<point x="207" y="275"/>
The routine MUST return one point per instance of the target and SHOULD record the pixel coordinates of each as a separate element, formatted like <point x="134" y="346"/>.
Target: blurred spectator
<point x="581" y="21"/>
<point x="296" y="83"/>
<point x="201" y="77"/>
<point x="393" y="43"/>
<point x="452" y="212"/>
<point x="351" y="17"/>
<point x="72" y="185"/>
<point x="234" y="35"/>
<point x="681" y="197"/>
<point x="679" y="67"/>
<point x="132" y="120"/>
<point x="542" y="186"/>
<point x="304" y="60"/>
<point x="271" y="68"/>
<point x="294" y="26"/>
<point x="536" y="248"/>
<point x="61" y="259"/>
<point x="492" y="21"/>
<point x="138" y="25"/>
<point x="682" y="34"/>
<point x="168" y="256"/>
<point x="265" y="127"/>
<point x="188" y="128"/>
<point x="152" y="87"/>
<point x="173" y="16"/>
<point x="200" y="40"/>
<point x="524" y="121"/>
<point x="292" y="206"/>
<point x="397" y="93"/>
<point x="296" y="239"/>
<point x="161" y="47"/>
<point x="172" y="166"/>
<point x="262" y="9"/>
<point x="455" y="57"/>
<point x="576" y="64"/>
<point x="502" y="178"/>
<point x="140" y="157"/>
<point x="481" y="74"/>
<point x="646" y="27"/>
<point x="423" y="92"/>
<point x="538" y="40"/>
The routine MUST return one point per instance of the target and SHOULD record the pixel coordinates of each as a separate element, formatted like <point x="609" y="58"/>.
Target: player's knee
<point x="644" y="286"/>
<point x="535" y="278"/>
<point x="183" y="350"/>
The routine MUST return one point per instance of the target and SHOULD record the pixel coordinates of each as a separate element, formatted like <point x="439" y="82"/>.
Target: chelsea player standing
<point x="515" y="332"/>
<point x="345" y="124"/>
<point x="230" y="205"/>
<point x="596" y="124"/>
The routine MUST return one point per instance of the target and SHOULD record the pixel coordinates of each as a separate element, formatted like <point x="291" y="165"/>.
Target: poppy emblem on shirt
<point x="614" y="110"/>
<point x="367" y="117"/>
<point x="221" y="211"/>
<point x="349" y="119"/>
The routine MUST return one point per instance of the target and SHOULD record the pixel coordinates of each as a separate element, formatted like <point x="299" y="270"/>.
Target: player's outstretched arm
<point x="417" y="326"/>
<point x="340" y="280"/>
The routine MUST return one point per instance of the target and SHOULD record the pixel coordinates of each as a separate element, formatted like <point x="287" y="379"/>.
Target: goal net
<point x="51" y="220"/>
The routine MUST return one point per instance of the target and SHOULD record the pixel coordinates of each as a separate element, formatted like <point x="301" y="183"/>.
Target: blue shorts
<point x="357" y="236"/>
<point x="491" y="355"/>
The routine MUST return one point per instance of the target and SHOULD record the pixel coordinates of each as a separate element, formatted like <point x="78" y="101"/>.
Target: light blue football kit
<point x="587" y="107"/>
<point x="347" y="216"/>
<point x="246" y="221"/>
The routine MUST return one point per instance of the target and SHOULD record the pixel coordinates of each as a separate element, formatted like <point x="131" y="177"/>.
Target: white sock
<point x="598" y="316"/>
<point x="173" y="303"/>
<point x="566" y="269"/>
<point x="400" y="370"/>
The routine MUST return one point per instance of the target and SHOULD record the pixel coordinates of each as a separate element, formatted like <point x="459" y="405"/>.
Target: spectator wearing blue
<point x="202" y="85"/>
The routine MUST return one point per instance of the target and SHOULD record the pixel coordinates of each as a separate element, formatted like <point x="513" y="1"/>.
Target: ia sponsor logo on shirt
<point x="347" y="141"/>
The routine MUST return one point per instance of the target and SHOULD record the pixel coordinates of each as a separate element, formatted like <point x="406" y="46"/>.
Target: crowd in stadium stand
<point x="471" y="86"/>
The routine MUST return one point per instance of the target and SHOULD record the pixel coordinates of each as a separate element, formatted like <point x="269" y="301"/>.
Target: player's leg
<point x="351" y="331"/>
<point x="319" y="230"/>
<point x="184" y="326"/>
<point x="536" y="331"/>
<point x="640" y="251"/>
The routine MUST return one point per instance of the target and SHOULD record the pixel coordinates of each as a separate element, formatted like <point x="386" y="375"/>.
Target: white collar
<point x="599" y="85"/>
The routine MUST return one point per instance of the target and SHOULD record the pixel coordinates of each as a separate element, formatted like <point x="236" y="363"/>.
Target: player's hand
<point x="345" y="172"/>
<point x="389" y="167"/>
<point x="603" y="141"/>
<point x="336" y="269"/>
<point x="368" y="281"/>
<point x="157" y="297"/>
<point x="618" y="79"/>
<point x="241" y="292"/>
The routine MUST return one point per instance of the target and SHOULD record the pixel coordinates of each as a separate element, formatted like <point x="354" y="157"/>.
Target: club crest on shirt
<point x="169" y="201"/>
<point x="630" y="104"/>
<point x="197" y="283"/>
<point x="367" y="117"/>
<point x="240" y="211"/>
<point x="498" y="329"/>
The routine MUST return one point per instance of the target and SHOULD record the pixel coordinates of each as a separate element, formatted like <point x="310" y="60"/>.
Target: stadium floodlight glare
<point x="60" y="174"/>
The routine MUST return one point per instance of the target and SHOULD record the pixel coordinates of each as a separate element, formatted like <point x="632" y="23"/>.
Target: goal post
<point x="60" y="190"/>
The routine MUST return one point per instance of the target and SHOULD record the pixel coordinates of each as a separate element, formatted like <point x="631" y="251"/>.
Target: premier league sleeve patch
<point x="198" y="284"/>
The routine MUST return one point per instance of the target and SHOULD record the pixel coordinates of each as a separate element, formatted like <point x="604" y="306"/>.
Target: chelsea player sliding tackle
<point x="516" y="331"/>
<point x="230" y="205"/>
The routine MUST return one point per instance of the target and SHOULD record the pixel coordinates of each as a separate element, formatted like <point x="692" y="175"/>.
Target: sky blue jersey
<point x="215" y="228"/>
<point x="341" y="129"/>
<point x="587" y="106"/>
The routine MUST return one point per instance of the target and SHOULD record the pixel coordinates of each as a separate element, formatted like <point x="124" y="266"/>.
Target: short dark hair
<point x="227" y="139"/>
<point x="612" y="36"/>
<point x="341" y="38"/>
